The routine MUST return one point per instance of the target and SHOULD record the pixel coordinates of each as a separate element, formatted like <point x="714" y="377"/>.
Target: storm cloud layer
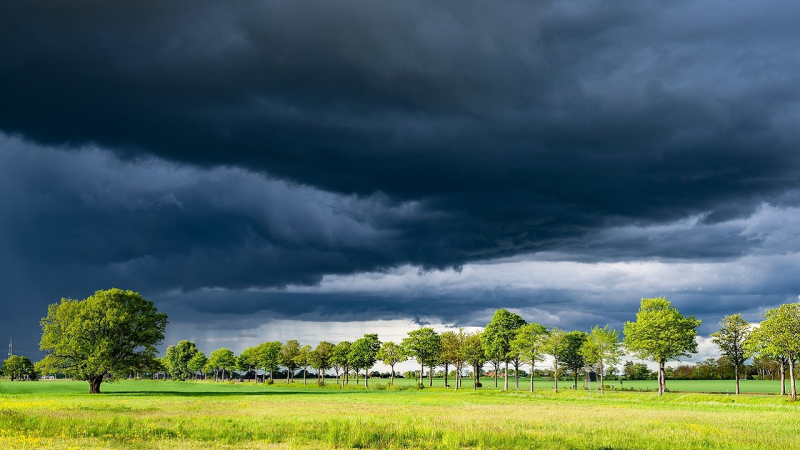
<point x="234" y="158"/>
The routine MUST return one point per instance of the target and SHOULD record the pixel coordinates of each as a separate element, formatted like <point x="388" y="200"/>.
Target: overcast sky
<point x="320" y="169"/>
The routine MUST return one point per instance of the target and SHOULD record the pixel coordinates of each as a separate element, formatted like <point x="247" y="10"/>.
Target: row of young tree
<point x="660" y="334"/>
<point x="113" y="333"/>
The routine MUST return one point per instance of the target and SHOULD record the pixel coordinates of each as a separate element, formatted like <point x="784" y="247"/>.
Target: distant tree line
<point x="114" y="334"/>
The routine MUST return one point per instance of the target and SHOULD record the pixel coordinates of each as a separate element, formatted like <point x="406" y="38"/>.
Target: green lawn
<point x="714" y="386"/>
<point x="148" y="414"/>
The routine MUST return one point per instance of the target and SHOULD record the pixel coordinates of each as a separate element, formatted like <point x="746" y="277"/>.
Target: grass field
<point x="712" y="386"/>
<point x="148" y="414"/>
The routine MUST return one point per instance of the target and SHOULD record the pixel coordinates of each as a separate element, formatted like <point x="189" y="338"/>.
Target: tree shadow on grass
<point x="225" y="394"/>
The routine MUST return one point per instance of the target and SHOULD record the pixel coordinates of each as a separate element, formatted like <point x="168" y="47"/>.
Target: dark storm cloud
<point x="530" y="121"/>
<point x="265" y="144"/>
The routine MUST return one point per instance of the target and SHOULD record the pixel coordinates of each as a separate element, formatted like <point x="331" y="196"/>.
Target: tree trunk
<point x="366" y="378"/>
<point x="575" y="384"/>
<point x="505" y="378"/>
<point x="421" y="373"/>
<point x="792" y="388"/>
<point x="783" y="378"/>
<point x="736" y="375"/>
<point x="496" y="366"/>
<point x="445" y="375"/>
<point x="555" y="378"/>
<point x="430" y="376"/>
<point x="602" y="383"/>
<point x="94" y="384"/>
<point x="532" y="377"/>
<point x="304" y="376"/>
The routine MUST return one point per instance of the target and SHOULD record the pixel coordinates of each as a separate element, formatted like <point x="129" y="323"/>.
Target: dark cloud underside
<point x="176" y="146"/>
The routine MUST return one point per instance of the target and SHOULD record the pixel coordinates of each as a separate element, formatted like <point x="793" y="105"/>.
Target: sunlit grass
<point x="148" y="414"/>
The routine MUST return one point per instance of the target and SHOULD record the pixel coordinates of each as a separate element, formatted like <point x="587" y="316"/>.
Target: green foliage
<point x="530" y="341"/>
<point x="571" y="357"/>
<point x="661" y="333"/>
<point x="391" y="354"/>
<point x="731" y="338"/>
<point x="111" y="333"/>
<point x="287" y="357"/>
<point x="556" y="345"/>
<point x="425" y="345"/>
<point x="268" y="356"/>
<point x="451" y="348"/>
<point x="177" y="358"/>
<point x="18" y="367"/>
<point x="320" y="358"/>
<point x="221" y="359"/>
<point x="602" y="348"/>
<point x="637" y="371"/>
<point x="303" y="359"/>
<point x="197" y="363"/>
<point x="500" y="333"/>
<point x="247" y="360"/>
<point x="363" y="353"/>
<point x="339" y="357"/>
<point x="779" y="335"/>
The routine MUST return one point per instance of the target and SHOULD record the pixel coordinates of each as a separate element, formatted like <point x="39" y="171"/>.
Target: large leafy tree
<point x="363" y="354"/>
<point x="18" y="367"/>
<point x="221" y="359"/>
<point x="473" y="354"/>
<point x="450" y="353"/>
<point x="247" y="361"/>
<point x="177" y="359"/>
<point x="661" y="333"/>
<point x="109" y="334"/>
<point x="529" y="344"/>
<point x="556" y="346"/>
<point x="197" y="363"/>
<point x="571" y="358"/>
<point x="425" y="345"/>
<point x="391" y="354"/>
<point x="780" y="336"/>
<point x="603" y="347"/>
<point x="731" y="339"/>
<point x="498" y="336"/>
<point x="303" y="359"/>
<point x="339" y="360"/>
<point x="269" y="357"/>
<point x="287" y="357"/>
<point x="320" y="359"/>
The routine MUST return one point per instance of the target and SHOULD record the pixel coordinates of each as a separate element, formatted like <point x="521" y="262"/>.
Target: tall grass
<point x="200" y="415"/>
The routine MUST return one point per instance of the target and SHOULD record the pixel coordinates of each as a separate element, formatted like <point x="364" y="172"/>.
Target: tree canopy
<point x="425" y="345"/>
<point x="17" y="367"/>
<point x="499" y="334"/>
<point x="177" y="359"/>
<point x="108" y="334"/>
<point x="731" y="337"/>
<point x="602" y="348"/>
<point x="529" y="343"/>
<point x="780" y="334"/>
<point x="661" y="333"/>
<point x="363" y="354"/>
<point x="391" y="354"/>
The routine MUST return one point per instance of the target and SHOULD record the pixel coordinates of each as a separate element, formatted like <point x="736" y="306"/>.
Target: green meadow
<point x="169" y="415"/>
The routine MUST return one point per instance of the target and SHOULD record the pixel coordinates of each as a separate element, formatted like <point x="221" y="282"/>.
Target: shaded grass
<point x="201" y="415"/>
